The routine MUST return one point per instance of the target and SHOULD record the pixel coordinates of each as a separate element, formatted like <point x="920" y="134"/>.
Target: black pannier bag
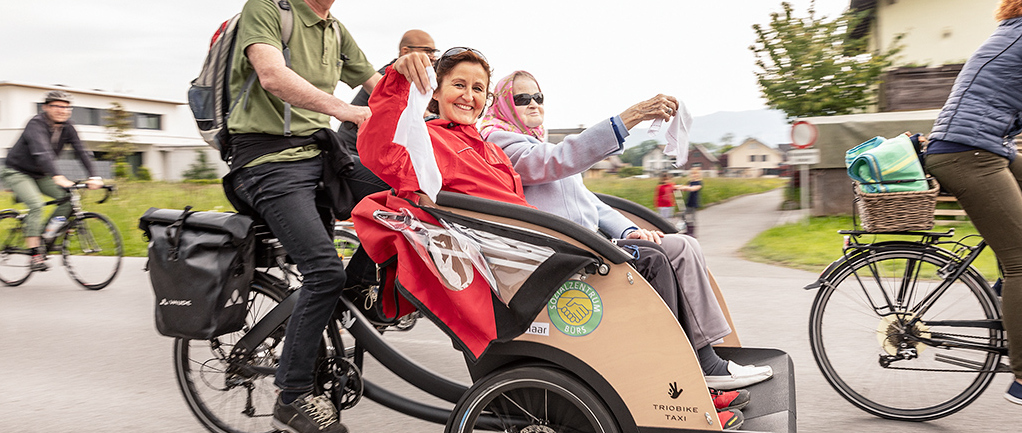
<point x="200" y="266"/>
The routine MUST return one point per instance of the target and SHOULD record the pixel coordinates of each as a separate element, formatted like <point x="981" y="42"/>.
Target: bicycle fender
<point x="853" y="253"/>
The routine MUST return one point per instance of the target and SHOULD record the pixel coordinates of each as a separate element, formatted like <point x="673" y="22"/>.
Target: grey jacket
<point x="552" y="175"/>
<point x="984" y="109"/>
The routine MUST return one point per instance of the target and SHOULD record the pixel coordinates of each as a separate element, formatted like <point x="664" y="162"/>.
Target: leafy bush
<point x="629" y="171"/>
<point x="122" y="170"/>
<point x="142" y="173"/>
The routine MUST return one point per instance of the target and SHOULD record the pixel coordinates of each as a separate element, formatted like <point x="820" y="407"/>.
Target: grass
<point x="812" y="246"/>
<point x="133" y="198"/>
<point x="715" y="189"/>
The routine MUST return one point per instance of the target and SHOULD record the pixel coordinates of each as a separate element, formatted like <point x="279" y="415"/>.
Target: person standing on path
<point x="695" y="184"/>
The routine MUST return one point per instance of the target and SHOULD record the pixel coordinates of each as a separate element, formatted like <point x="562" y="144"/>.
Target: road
<point x="80" y="361"/>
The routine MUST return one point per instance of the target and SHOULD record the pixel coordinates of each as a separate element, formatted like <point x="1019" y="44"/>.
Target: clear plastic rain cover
<point x="451" y="251"/>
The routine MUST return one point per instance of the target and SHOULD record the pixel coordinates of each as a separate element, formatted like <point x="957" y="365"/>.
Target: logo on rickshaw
<point x="575" y="309"/>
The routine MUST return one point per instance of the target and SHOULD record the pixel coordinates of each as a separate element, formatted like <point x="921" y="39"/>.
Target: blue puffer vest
<point x="984" y="109"/>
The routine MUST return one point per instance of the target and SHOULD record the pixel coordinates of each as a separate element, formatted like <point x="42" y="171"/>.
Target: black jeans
<point x="284" y="195"/>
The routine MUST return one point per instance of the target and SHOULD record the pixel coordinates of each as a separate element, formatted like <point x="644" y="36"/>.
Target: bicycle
<point x="907" y="330"/>
<point x="89" y="243"/>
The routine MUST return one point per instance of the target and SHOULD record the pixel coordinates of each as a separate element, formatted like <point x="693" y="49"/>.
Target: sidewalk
<point x="770" y="309"/>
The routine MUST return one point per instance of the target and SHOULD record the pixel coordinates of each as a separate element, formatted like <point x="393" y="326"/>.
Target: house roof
<point x="96" y="92"/>
<point x="706" y="152"/>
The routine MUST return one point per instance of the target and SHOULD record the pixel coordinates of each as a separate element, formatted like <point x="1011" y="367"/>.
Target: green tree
<point x="118" y="122"/>
<point x="633" y="155"/>
<point x="813" y="67"/>
<point x="201" y="168"/>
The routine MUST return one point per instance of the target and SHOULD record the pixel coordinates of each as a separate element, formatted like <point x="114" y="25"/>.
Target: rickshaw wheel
<point x="531" y="399"/>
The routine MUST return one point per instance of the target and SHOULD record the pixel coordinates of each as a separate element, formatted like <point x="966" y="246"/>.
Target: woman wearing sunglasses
<point x="552" y="178"/>
<point x="468" y="164"/>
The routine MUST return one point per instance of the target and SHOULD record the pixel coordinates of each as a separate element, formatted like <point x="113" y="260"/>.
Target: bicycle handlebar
<point x="110" y="189"/>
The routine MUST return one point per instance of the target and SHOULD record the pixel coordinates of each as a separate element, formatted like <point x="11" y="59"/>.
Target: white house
<point x="752" y="159"/>
<point x="165" y="135"/>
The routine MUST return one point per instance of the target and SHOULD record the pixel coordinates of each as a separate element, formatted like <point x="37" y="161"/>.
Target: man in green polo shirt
<point x="274" y="173"/>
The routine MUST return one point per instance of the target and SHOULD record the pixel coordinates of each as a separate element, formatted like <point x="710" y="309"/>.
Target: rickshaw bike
<point x="603" y="353"/>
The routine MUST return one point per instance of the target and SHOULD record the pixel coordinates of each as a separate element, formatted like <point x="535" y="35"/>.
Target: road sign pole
<point x="804" y="191"/>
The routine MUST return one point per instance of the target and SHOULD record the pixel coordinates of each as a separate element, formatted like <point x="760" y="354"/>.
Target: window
<point x="752" y="158"/>
<point x="147" y="121"/>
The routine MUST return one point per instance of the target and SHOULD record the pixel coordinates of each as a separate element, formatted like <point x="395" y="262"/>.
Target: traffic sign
<point x="803" y="134"/>
<point x="803" y="156"/>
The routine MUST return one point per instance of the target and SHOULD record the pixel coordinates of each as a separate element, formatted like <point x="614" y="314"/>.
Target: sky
<point x="593" y="59"/>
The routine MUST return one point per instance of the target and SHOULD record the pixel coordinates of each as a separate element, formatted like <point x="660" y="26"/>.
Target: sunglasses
<point x="427" y="50"/>
<point x="458" y="50"/>
<point x="525" y="98"/>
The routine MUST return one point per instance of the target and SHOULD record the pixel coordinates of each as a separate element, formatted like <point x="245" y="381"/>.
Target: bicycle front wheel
<point x="531" y="399"/>
<point x="867" y="343"/>
<point x="15" y="256"/>
<point x="92" y="250"/>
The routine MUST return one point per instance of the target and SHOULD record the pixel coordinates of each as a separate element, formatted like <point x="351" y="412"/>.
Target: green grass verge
<point x="133" y="198"/>
<point x="715" y="189"/>
<point x="814" y="244"/>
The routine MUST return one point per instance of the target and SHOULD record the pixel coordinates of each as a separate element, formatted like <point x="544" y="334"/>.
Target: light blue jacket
<point x="552" y="174"/>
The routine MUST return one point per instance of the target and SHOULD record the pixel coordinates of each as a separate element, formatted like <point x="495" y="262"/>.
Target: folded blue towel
<point x="886" y="165"/>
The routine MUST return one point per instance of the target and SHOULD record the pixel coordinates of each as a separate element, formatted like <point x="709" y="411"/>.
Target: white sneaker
<point x="741" y="376"/>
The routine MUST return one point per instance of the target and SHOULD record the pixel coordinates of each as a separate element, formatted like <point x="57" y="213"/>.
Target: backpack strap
<point x="287" y="22"/>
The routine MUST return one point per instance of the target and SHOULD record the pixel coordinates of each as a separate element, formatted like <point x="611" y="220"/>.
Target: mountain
<point x="768" y="126"/>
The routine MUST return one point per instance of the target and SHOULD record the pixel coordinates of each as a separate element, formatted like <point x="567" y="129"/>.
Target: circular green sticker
<point x="575" y="309"/>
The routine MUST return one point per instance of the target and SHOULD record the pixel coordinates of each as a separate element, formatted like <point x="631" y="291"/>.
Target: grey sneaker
<point x="307" y="414"/>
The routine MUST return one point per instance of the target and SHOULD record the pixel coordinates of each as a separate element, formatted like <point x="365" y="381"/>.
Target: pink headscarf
<point x="502" y="114"/>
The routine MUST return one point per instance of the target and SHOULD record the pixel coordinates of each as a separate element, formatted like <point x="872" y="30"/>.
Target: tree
<point x="201" y="168"/>
<point x="813" y="67"/>
<point x="727" y="139"/>
<point x="633" y="155"/>
<point x="118" y="122"/>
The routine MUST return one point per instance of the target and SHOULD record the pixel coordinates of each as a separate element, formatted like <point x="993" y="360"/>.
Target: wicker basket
<point x="897" y="211"/>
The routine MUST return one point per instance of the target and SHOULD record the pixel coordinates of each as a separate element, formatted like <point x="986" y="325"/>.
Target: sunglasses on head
<point x="525" y="98"/>
<point x="458" y="50"/>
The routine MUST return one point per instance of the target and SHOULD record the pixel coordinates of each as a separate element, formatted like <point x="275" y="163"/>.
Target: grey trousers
<point x="690" y="295"/>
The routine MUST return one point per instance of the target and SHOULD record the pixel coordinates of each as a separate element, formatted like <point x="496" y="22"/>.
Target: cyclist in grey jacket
<point x="30" y="170"/>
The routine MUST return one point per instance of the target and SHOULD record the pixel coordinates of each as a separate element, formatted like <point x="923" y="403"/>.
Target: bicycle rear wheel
<point x="225" y="399"/>
<point x="92" y="250"/>
<point x="853" y="328"/>
<point x="15" y="256"/>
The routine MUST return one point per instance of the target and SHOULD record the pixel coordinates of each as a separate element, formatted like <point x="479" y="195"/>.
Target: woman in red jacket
<point x="468" y="164"/>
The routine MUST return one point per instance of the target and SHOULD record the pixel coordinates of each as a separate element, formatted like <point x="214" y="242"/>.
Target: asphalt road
<point x="74" y="360"/>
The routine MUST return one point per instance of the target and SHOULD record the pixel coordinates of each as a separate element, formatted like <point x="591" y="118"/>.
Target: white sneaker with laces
<point x="741" y="376"/>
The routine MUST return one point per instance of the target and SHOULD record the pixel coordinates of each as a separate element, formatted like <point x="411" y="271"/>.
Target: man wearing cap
<point x="31" y="173"/>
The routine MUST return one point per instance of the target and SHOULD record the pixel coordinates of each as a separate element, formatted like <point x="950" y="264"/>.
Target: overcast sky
<point x="592" y="58"/>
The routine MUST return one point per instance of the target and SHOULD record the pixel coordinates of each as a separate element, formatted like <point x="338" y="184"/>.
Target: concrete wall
<point x="936" y="32"/>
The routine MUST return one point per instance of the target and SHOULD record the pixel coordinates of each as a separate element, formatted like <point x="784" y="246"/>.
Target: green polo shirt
<point x="314" y="56"/>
